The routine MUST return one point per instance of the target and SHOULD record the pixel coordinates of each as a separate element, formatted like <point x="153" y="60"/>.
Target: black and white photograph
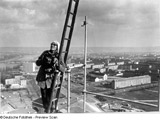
<point x="79" y="56"/>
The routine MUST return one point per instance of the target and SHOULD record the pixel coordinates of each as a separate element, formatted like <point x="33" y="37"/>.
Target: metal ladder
<point x="63" y="54"/>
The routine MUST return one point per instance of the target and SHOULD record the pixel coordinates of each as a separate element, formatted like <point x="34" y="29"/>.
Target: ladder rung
<point x="57" y="87"/>
<point x="66" y="39"/>
<point x="69" y="26"/>
<point x="75" y="0"/>
<point x="54" y="99"/>
<point x="64" y="52"/>
<point x="72" y="13"/>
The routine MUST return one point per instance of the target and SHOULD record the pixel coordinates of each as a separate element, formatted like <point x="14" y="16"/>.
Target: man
<point x="49" y="64"/>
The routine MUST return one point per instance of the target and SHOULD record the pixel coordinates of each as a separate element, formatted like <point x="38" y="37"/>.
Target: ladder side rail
<point x="58" y="91"/>
<point x="65" y="28"/>
<point x="51" y="97"/>
<point x="60" y="53"/>
<point x="68" y="45"/>
<point x="71" y="30"/>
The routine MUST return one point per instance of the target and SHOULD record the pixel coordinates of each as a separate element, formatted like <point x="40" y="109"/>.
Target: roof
<point x="23" y="111"/>
<point x="131" y="78"/>
<point x="98" y="75"/>
<point x="76" y="110"/>
<point x="76" y="105"/>
<point x="90" y="107"/>
<point x="17" y="99"/>
<point x="6" y="108"/>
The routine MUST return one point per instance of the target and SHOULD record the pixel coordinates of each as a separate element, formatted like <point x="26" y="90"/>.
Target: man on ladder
<point x="55" y="62"/>
<point x="48" y="62"/>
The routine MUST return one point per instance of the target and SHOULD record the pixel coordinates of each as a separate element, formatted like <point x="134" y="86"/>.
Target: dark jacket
<point x="48" y="63"/>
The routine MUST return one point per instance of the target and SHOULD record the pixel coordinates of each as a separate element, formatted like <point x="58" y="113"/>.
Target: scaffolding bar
<point x="68" y="90"/>
<point x="85" y="60"/>
<point x="159" y="92"/>
<point x="112" y="97"/>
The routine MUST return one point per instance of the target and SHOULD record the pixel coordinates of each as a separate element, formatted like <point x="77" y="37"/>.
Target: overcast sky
<point x="112" y="23"/>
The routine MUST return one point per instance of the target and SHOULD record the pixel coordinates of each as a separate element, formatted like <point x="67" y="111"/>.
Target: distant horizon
<point x="82" y="46"/>
<point x="80" y="50"/>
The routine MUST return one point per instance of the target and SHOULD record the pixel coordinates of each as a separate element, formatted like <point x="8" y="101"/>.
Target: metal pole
<point x="85" y="60"/>
<point x="68" y="90"/>
<point x="159" y="94"/>
<point x="159" y="90"/>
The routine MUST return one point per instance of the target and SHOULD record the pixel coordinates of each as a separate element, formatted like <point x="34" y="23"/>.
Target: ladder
<point x="63" y="54"/>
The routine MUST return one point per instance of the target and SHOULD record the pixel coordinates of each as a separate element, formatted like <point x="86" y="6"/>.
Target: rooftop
<point x="23" y="111"/>
<point x="76" y="105"/>
<point x="131" y="78"/>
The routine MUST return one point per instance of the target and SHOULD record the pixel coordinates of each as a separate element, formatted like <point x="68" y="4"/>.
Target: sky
<point x="111" y="23"/>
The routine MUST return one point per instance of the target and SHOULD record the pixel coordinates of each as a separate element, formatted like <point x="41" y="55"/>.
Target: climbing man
<point x="49" y="64"/>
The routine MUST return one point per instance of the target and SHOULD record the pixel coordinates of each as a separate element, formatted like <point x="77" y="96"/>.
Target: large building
<point x="17" y="82"/>
<point x="131" y="81"/>
<point x="11" y="81"/>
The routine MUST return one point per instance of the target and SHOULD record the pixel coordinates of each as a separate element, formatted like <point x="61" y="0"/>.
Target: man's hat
<point x="56" y="43"/>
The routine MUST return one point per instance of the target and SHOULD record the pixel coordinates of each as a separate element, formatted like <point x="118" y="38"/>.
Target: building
<point x="111" y="63"/>
<point x="17" y="82"/>
<point x="131" y="81"/>
<point x="112" y="67"/>
<point x="97" y="77"/>
<point x="97" y="66"/>
<point x="19" y="77"/>
<point x="3" y="66"/>
<point x="142" y="67"/>
<point x="30" y="67"/>
<point x="125" y="67"/>
<point x="120" y="63"/>
<point x="119" y="74"/>
<point x="101" y="78"/>
<point x="23" y="83"/>
<point x="89" y="65"/>
<point x="15" y="86"/>
<point x="11" y="81"/>
<point x="100" y="70"/>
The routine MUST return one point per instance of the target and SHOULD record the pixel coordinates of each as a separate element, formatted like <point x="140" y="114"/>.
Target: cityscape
<point x="124" y="75"/>
<point x="79" y="56"/>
